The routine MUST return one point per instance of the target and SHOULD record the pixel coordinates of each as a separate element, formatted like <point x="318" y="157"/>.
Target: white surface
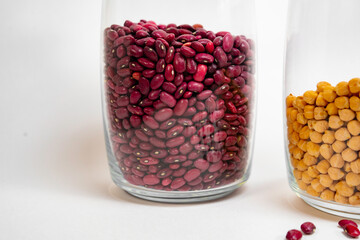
<point x="54" y="177"/>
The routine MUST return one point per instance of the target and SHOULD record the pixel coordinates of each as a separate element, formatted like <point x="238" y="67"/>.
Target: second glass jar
<point x="178" y="96"/>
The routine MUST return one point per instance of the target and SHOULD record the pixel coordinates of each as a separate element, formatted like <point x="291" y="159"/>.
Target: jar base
<point x="191" y="199"/>
<point x="331" y="207"/>
<point x="334" y="209"/>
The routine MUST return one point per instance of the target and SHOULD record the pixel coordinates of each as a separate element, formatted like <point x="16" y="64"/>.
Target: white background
<point x="54" y="178"/>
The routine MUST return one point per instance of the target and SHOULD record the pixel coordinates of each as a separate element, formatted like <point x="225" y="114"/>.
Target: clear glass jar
<point x="178" y="96"/>
<point x="322" y="106"/>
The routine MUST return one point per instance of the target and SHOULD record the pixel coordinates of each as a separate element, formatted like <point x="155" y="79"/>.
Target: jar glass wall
<point x="178" y="96"/>
<point x="322" y="85"/>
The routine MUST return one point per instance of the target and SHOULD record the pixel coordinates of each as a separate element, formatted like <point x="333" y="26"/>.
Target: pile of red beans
<point x="178" y="99"/>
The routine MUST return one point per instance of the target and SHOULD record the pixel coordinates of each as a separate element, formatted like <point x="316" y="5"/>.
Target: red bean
<point x="163" y="114"/>
<point x="195" y="86"/>
<point x="170" y="55"/>
<point x="179" y="63"/>
<point x="308" y="227"/>
<point x="151" y="180"/>
<point x="228" y="42"/>
<point x="200" y="73"/>
<point x="169" y="72"/>
<point x="187" y="52"/>
<point x="174" y="142"/>
<point x="160" y="48"/>
<point x="177" y="183"/>
<point x="167" y="99"/>
<point x="352" y="231"/>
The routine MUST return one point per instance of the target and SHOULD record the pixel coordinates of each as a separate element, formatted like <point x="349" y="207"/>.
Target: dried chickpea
<point x="310" y="190"/>
<point x="298" y="153"/>
<point x="354" y="85"/>
<point x="337" y="161"/>
<point x="341" y="199"/>
<point x="315" y="137"/>
<point x="297" y="174"/>
<point x="335" y="173"/>
<point x="310" y="97"/>
<point x="347" y="167"/>
<point x="354" y="103"/>
<point x="294" y="138"/>
<point x="320" y="126"/>
<point x="309" y="111"/>
<point x="325" y="180"/>
<point x="354" y="143"/>
<point x="313" y="172"/>
<point x="349" y="155"/>
<point x="327" y="195"/>
<point x="301" y="118"/>
<point x="355" y="166"/>
<point x="322" y="85"/>
<point x="291" y="147"/>
<point x="299" y="103"/>
<point x="342" y="134"/>
<point x="311" y="123"/>
<point x="323" y="166"/>
<point x="329" y="94"/>
<point x="302" y="145"/>
<point x="342" y="89"/>
<point x="317" y="186"/>
<point x="301" y="166"/>
<point x="342" y="102"/>
<point x="335" y="122"/>
<point x="313" y="149"/>
<point x="358" y="116"/>
<point x="320" y="113"/>
<point x="309" y="160"/>
<point x="290" y="130"/>
<point x="352" y="179"/>
<point x="346" y="115"/>
<point x="297" y="126"/>
<point x="306" y="177"/>
<point x="354" y="127"/>
<point x="326" y="151"/>
<point x="355" y="199"/>
<point x="338" y="146"/>
<point x="328" y="137"/>
<point x="289" y="100"/>
<point x="320" y="100"/>
<point x="293" y="114"/>
<point x="304" y="132"/>
<point x="331" y="109"/>
<point x="301" y="184"/>
<point x="343" y="189"/>
<point x="294" y="162"/>
<point x="332" y="187"/>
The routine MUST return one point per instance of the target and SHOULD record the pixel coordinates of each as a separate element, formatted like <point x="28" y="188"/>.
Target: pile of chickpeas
<point x="323" y="129"/>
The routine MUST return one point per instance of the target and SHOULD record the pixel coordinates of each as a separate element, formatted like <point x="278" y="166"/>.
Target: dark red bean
<point x="159" y="34"/>
<point x="200" y="73"/>
<point x="216" y="115"/>
<point x="150" y="121"/>
<point x="157" y="81"/>
<point x="146" y="63"/>
<point x="293" y="235"/>
<point x="185" y="149"/>
<point x="160" y="66"/>
<point x="170" y="55"/>
<point x="167" y="99"/>
<point x="189" y="131"/>
<point x="308" y="227"/>
<point x="177" y="183"/>
<point x="204" y="58"/>
<point x="148" y="73"/>
<point x="160" y="48"/>
<point x="228" y="42"/>
<point x="151" y="179"/>
<point x="194" y="139"/>
<point x="169" y="87"/>
<point x="206" y="130"/>
<point x="169" y="72"/>
<point x="220" y="56"/>
<point x="181" y="90"/>
<point x="187" y="52"/>
<point x="163" y="114"/>
<point x="352" y="231"/>
<point x="166" y="181"/>
<point x="195" y="86"/>
<point x="214" y="156"/>
<point x="180" y="172"/>
<point x="167" y="124"/>
<point x="191" y="65"/>
<point x="179" y="63"/>
<point x="199" y="116"/>
<point x="174" y="131"/>
<point x="342" y="223"/>
<point x="149" y="161"/>
<point x="159" y="153"/>
<point x="164" y="173"/>
<point x="175" y="159"/>
<point x="215" y="167"/>
<point x="174" y="142"/>
<point x="134" y="51"/>
<point x="144" y="86"/>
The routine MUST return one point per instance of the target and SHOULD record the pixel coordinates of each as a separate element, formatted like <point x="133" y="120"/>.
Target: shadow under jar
<point x="322" y="110"/>
<point x="178" y="97"/>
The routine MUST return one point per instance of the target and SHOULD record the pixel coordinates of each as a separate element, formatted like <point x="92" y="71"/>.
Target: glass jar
<point x="322" y="106"/>
<point x="178" y="96"/>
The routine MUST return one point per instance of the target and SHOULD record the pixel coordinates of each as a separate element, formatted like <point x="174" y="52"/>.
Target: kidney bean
<point x="167" y="99"/>
<point x="200" y="106"/>
<point x="160" y="66"/>
<point x="191" y="66"/>
<point x="179" y="63"/>
<point x="160" y="48"/>
<point x="157" y="81"/>
<point x="189" y="112"/>
<point x="169" y="72"/>
<point x="174" y="131"/>
<point x="185" y="149"/>
<point x="199" y="116"/>
<point x="179" y="172"/>
<point x="181" y="90"/>
<point x="174" y="142"/>
<point x="215" y="167"/>
<point x="189" y="131"/>
<point x="146" y="63"/>
<point x="228" y="42"/>
<point x="163" y="114"/>
<point x="195" y="86"/>
<point x="187" y="51"/>
<point x="178" y="80"/>
<point x="151" y="179"/>
<point x="177" y="183"/>
<point x="200" y="73"/>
